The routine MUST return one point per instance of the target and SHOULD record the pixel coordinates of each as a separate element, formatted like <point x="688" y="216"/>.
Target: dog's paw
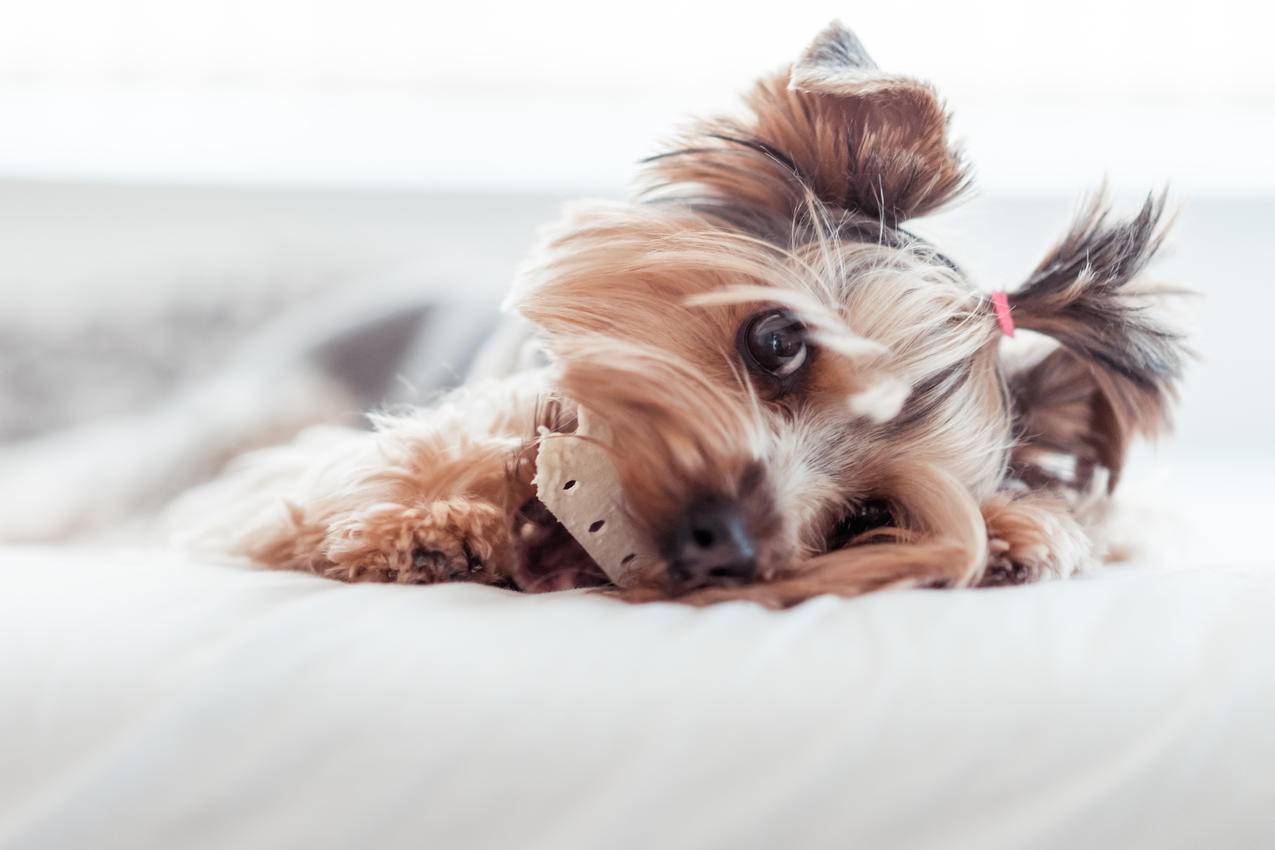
<point x="1002" y="569"/>
<point x="453" y="539"/>
<point x="1032" y="538"/>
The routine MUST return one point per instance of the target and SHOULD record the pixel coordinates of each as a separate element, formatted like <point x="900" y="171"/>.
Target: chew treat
<point x="578" y="483"/>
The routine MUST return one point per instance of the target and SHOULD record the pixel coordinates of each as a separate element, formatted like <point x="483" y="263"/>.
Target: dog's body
<point x="802" y="396"/>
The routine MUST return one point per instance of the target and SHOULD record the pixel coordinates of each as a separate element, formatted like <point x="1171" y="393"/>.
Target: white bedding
<point x="148" y="702"/>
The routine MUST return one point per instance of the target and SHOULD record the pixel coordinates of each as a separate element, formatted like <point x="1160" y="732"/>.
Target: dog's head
<point x="793" y="380"/>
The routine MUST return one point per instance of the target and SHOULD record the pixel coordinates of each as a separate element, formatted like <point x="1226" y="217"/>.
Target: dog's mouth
<point x="548" y="557"/>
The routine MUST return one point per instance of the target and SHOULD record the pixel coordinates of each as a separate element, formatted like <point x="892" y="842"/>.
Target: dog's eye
<point x="775" y="343"/>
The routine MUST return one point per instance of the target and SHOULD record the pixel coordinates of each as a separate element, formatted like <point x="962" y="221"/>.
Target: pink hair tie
<point x="1004" y="318"/>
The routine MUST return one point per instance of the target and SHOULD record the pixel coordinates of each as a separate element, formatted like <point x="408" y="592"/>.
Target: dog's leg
<point x="430" y="496"/>
<point x="1030" y="537"/>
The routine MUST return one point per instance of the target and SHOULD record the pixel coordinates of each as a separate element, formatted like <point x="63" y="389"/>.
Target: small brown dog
<point x="801" y="396"/>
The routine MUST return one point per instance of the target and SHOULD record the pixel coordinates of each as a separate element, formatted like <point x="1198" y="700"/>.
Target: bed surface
<point x="151" y="701"/>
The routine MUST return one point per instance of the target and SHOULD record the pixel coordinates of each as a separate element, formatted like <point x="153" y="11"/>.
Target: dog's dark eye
<point x="775" y="343"/>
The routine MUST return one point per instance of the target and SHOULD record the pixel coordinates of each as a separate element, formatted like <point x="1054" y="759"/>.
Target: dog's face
<point x="787" y="372"/>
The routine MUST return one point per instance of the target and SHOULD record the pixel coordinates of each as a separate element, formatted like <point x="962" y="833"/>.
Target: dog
<point x="800" y="396"/>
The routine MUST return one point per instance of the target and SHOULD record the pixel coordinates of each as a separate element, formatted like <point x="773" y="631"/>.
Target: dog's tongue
<point x="579" y="485"/>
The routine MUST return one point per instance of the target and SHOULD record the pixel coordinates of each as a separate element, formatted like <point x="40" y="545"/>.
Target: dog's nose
<point x="711" y="545"/>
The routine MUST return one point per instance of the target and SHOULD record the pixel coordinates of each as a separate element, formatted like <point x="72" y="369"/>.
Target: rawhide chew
<point x="578" y="483"/>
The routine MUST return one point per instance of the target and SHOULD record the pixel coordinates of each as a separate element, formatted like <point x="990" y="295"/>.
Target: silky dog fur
<point x="903" y="448"/>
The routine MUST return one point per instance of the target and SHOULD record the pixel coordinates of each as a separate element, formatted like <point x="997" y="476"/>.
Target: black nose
<point x="710" y="545"/>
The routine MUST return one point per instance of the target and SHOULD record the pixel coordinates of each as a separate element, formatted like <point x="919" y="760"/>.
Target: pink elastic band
<point x="1000" y="303"/>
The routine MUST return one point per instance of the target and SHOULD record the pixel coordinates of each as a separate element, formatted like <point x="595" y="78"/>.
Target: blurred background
<point x="176" y="177"/>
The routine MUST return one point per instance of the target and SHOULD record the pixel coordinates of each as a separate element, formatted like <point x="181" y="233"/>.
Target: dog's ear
<point x="1116" y="373"/>
<point x="833" y="126"/>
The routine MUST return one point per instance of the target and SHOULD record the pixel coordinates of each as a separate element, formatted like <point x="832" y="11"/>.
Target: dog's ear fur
<point x="1116" y="373"/>
<point x="833" y="126"/>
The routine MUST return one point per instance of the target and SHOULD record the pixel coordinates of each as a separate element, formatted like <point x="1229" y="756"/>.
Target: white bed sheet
<point x="147" y="701"/>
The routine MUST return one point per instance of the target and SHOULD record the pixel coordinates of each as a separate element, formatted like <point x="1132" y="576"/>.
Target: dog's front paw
<point x="454" y="539"/>
<point x="1002" y="568"/>
<point x="1031" y="538"/>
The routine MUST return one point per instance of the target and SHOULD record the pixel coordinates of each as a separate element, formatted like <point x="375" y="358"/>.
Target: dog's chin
<point x="676" y="585"/>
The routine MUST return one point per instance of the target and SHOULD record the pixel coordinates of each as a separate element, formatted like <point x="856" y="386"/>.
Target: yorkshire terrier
<point x="799" y="395"/>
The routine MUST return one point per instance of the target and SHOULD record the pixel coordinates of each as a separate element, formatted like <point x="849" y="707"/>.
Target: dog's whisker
<point x="847" y="344"/>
